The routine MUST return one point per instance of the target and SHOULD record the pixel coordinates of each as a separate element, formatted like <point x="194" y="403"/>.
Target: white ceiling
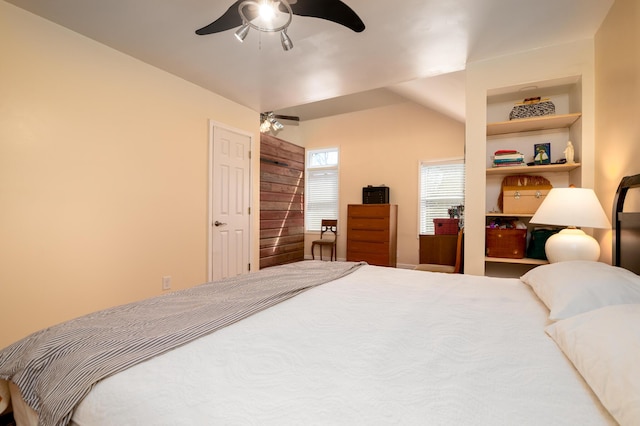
<point x="415" y="49"/>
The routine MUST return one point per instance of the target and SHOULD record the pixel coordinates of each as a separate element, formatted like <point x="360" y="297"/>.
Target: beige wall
<point x="103" y="175"/>
<point x="384" y="146"/>
<point x="617" y="65"/>
<point x="103" y="160"/>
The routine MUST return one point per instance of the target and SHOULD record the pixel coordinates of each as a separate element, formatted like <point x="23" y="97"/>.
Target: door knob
<point x="216" y="223"/>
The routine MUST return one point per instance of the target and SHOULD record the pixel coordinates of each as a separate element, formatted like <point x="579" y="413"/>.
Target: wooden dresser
<point x="372" y="233"/>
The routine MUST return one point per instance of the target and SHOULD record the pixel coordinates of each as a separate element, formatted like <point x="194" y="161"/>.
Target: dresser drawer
<point x="368" y="235"/>
<point x="363" y="223"/>
<point x="367" y="246"/>
<point x="369" y="211"/>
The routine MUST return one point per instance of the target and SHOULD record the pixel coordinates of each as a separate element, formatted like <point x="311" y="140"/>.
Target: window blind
<point x="441" y="187"/>
<point x="321" y="194"/>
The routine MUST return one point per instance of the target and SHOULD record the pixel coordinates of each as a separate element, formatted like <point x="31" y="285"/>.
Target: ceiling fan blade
<point x="230" y="19"/>
<point x="331" y="10"/>
<point x="286" y="117"/>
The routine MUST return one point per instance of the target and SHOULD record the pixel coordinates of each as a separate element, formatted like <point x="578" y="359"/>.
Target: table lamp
<point x="571" y="207"/>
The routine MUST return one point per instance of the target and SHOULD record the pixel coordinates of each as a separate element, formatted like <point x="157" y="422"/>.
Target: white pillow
<point x="573" y="287"/>
<point x="604" y="346"/>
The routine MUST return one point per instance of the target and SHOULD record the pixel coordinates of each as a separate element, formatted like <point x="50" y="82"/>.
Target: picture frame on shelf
<point x="542" y="153"/>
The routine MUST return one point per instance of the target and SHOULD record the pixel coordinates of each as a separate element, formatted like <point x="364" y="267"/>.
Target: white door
<point x="230" y="197"/>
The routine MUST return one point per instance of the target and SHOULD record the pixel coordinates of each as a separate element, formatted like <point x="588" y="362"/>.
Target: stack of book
<point x="508" y="158"/>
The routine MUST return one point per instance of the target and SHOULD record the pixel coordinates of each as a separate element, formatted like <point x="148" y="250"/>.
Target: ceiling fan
<point x="271" y="121"/>
<point x="331" y="10"/>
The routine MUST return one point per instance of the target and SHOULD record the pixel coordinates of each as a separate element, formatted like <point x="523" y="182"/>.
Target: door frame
<point x="212" y="126"/>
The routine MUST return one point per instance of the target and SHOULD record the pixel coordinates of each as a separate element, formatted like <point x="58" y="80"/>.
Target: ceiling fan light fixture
<point x="287" y="44"/>
<point x="277" y="126"/>
<point x="264" y="24"/>
<point x="265" y="126"/>
<point x="247" y="12"/>
<point x="267" y="10"/>
<point x="242" y="32"/>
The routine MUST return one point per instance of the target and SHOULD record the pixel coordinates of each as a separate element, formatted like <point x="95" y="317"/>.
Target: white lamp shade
<point x="572" y="207"/>
<point x="578" y="207"/>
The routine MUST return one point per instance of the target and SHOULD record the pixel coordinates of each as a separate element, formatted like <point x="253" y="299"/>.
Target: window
<point x="321" y="194"/>
<point x="441" y="187"/>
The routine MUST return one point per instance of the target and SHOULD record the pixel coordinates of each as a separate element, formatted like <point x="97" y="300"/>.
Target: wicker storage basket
<point x="509" y="243"/>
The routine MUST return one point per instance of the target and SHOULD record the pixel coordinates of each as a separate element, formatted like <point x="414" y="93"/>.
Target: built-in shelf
<point x="523" y="261"/>
<point x="543" y="168"/>
<point x="520" y="134"/>
<point x="531" y="124"/>
<point x="495" y="214"/>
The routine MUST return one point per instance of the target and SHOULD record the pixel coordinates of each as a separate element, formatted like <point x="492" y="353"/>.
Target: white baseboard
<point x="405" y="266"/>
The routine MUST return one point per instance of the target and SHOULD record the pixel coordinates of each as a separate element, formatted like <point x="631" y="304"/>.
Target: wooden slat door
<point x="281" y="201"/>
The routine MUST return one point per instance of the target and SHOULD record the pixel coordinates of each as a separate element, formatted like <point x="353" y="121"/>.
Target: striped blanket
<point x="56" y="367"/>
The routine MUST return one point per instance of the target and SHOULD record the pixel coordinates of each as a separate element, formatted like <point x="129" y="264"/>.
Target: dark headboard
<point x="626" y="228"/>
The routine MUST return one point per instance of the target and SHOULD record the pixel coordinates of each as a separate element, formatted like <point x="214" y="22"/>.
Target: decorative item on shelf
<point x="457" y="212"/>
<point x="508" y="158"/>
<point x="571" y="207"/>
<point x="532" y="107"/>
<point x="523" y="199"/>
<point x="522" y="194"/>
<point x="569" y="153"/>
<point x="542" y="153"/>
<point x="506" y="238"/>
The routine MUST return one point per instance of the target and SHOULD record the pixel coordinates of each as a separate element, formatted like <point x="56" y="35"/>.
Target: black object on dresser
<point x="375" y="195"/>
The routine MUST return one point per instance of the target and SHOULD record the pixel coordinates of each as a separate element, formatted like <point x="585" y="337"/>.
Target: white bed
<point x="387" y="346"/>
<point x="380" y="346"/>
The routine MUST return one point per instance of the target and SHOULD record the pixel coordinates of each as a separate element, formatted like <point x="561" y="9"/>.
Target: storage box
<point x="446" y="226"/>
<point x="532" y="107"/>
<point x="509" y="243"/>
<point x="523" y="199"/>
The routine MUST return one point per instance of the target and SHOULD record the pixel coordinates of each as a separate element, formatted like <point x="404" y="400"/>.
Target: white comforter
<point x="380" y="346"/>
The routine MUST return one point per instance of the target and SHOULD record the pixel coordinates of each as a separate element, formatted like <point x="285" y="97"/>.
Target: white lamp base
<point x="571" y="244"/>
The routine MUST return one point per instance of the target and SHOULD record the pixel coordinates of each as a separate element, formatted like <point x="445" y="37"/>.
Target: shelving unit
<point x="544" y="168"/>
<point x="531" y="124"/>
<point x="522" y="134"/>
<point x="498" y="214"/>
<point x="524" y="261"/>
